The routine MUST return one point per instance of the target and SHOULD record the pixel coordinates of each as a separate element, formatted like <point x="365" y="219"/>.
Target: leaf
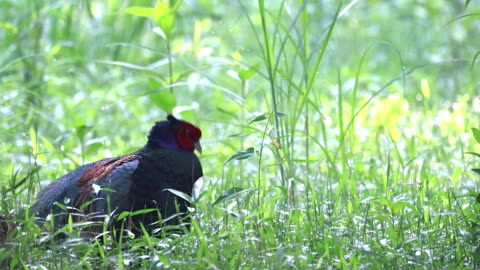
<point x="476" y="170"/>
<point x="47" y="145"/>
<point x="185" y="112"/>
<point x="165" y="100"/>
<point x="161" y="13"/>
<point x="108" y="190"/>
<point x="237" y="135"/>
<point x="425" y="88"/>
<point x="54" y="50"/>
<point x="123" y="215"/>
<point x="246" y="74"/>
<point x="229" y="194"/>
<point x="236" y="192"/>
<point x="397" y="207"/>
<point x="33" y="139"/>
<point x="420" y="156"/>
<point x="180" y="194"/>
<point x="164" y="17"/>
<point x="17" y="184"/>
<point x="157" y="30"/>
<point x="93" y="148"/>
<point x="143" y="211"/>
<point x="258" y="119"/>
<point x="473" y="153"/>
<point x="84" y="205"/>
<point x="81" y="131"/>
<point x="466" y="3"/>
<point x="474" y="60"/>
<point x="61" y="206"/>
<point x="240" y="155"/>
<point x="476" y="134"/>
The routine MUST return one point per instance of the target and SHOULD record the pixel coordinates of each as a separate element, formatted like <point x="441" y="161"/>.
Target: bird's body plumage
<point x="130" y="182"/>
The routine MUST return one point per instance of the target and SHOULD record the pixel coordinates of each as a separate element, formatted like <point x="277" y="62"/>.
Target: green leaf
<point x="397" y="207"/>
<point x="165" y="100"/>
<point x="161" y="13"/>
<point x="180" y="194"/>
<point x="93" y="148"/>
<point x="473" y="153"/>
<point x="84" y="205"/>
<point x="476" y="134"/>
<point x="476" y="170"/>
<point x="229" y="194"/>
<point x="33" y="139"/>
<point x="161" y="10"/>
<point x="164" y="17"/>
<point x="240" y="155"/>
<point x="61" y="206"/>
<point x="143" y="211"/>
<point x="474" y="60"/>
<point x="185" y="112"/>
<point x="140" y="11"/>
<point x="466" y="3"/>
<point x="123" y="215"/>
<point x="239" y="193"/>
<point x="81" y="131"/>
<point x="47" y="145"/>
<point x="246" y="74"/>
<point x="258" y="118"/>
<point x="237" y="135"/>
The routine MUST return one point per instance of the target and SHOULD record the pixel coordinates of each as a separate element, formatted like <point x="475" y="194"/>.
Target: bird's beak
<point x="198" y="147"/>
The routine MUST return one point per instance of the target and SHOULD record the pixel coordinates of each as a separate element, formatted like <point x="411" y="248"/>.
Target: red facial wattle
<point x="188" y="137"/>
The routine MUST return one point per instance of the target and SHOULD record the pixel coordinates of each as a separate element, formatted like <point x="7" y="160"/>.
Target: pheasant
<point x="136" y="181"/>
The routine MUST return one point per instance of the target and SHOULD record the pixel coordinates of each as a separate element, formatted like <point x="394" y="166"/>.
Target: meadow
<point x="336" y="134"/>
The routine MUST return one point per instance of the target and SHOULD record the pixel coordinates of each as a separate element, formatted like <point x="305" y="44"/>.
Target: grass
<point x="334" y="134"/>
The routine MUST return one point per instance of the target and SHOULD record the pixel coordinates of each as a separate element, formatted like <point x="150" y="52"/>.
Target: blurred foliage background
<point x="89" y="71"/>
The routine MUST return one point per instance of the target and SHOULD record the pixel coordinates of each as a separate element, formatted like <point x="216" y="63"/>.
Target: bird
<point x="138" y="183"/>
